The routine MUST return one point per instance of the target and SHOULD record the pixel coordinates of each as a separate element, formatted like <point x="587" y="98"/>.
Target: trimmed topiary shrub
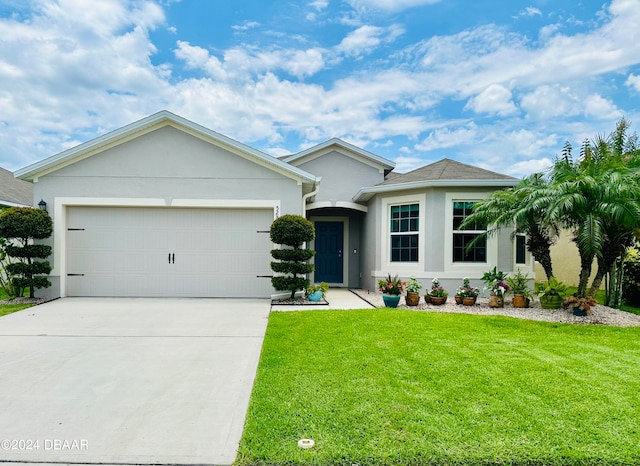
<point x="19" y="226"/>
<point x="291" y="231"/>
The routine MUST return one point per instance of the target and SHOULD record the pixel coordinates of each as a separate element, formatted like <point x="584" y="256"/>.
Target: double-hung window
<point x="404" y="228"/>
<point x="467" y="246"/>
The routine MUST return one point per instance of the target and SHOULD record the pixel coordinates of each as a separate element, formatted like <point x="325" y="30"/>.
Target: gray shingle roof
<point x="446" y="169"/>
<point x="14" y="191"/>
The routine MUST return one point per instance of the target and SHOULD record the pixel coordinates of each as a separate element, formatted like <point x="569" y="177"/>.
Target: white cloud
<point x="530" y="11"/>
<point x="495" y="99"/>
<point x="468" y="62"/>
<point x="390" y="5"/>
<point x="445" y="137"/>
<point x="527" y="167"/>
<point x="246" y="25"/>
<point x="319" y="4"/>
<point x="245" y="63"/>
<point x="93" y="67"/>
<point x="527" y="143"/>
<point x="633" y="81"/>
<point x="405" y="164"/>
<point x="597" y="106"/>
<point x="366" y="38"/>
<point x="305" y="62"/>
<point x="549" y="101"/>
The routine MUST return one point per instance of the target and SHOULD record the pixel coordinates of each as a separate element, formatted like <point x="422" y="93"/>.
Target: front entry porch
<point x="337" y="246"/>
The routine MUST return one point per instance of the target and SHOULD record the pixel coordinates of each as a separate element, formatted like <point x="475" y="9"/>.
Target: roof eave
<point x="365" y="194"/>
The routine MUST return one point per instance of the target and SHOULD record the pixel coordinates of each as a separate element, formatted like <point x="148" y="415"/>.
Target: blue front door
<point x="329" y="245"/>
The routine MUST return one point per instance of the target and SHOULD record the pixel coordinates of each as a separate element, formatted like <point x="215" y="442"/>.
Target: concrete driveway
<point x="138" y="381"/>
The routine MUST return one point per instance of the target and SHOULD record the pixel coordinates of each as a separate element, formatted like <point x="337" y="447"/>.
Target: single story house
<point x="165" y="207"/>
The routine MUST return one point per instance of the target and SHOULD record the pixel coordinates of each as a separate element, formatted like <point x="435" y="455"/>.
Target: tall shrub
<point x="291" y="231"/>
<point x="631" y="280"/>
<point x="20" y="226"/>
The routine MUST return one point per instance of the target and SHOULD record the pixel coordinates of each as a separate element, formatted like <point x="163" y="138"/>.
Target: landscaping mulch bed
<point x="601" y="315"/>
<point x="26" y="300"/>
<point x="298" y="302"/>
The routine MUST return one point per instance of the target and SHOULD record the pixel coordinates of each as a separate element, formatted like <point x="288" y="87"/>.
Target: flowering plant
<point x="466" y="290"/>
<point x="393" y="286"/>
<point x="498" y="287"/>
<point x="437" y="289"/>
<point x="495" y="281"/>
<point x="413" y="285"/>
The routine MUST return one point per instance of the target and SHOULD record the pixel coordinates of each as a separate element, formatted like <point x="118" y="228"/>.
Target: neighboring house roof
<point x="14" y="192"/>
<point x="327" y="146"/>
<point x="152" y="123"/>
<point x="444" y="173"/>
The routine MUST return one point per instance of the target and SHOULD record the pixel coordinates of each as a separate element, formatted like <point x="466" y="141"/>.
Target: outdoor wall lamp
<point x="42" y="205"/>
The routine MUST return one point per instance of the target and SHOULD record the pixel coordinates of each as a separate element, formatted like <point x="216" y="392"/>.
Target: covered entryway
<point x="168" y="252"/>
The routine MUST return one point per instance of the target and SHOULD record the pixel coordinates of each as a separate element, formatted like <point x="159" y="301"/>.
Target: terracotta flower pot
<point x="438" y="300"/>
<point x="519" y="301"/>
<point x="427" y="298"/>
<point x="412" y="298"/>
<point x="495" y="300"/>
<point x="469" y="300"/>
<point x="459" y="299"/>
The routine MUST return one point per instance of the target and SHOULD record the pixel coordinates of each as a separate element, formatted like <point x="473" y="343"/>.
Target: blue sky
<point x="497" y="84"/>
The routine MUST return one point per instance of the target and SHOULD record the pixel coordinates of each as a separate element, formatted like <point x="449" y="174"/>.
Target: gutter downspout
<point x="308" y="195"/>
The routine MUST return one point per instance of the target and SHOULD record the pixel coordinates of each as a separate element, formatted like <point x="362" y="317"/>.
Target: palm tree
<point x="597" y="197"/>
<point x="514" y="208"/>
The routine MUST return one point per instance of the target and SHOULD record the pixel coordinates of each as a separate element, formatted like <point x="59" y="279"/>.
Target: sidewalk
<point x="338" y="298"/>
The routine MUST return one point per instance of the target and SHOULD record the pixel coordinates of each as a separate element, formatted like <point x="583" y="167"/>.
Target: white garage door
<point x="168" y="252"/>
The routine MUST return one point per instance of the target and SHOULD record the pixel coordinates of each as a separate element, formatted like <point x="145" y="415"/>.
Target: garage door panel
<point x="168" y="252"/>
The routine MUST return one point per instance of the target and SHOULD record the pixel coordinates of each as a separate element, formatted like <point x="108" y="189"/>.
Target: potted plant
<point x="467" y="294"/>
<point x="438" y="293"/>
<point x="519" y="284"/>
<point x="551" y="293"/>
<point x="413" y="292"/>
<point x="391" y="289"/>
<point x="579" y="306"/>
<point x="317" y="292"/>
<point x="497" y="286"/>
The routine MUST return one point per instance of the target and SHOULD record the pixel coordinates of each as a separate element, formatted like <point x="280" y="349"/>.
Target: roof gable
<point x="338" y="145"/>
<point x="152" y="123"/>
<point x="14" y="192"/>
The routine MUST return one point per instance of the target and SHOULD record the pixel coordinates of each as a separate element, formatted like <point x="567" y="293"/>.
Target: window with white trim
<point x="404" y="226"/>
<point x="462" y="252"/>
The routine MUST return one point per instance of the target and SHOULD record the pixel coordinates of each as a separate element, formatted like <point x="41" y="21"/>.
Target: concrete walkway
<point x="135" y="381"/>
<point x="338" y="298"/>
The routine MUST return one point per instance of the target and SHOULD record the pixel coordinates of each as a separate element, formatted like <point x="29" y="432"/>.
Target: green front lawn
<point x="403" y="387"/>
<point x="9" y="308"/>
